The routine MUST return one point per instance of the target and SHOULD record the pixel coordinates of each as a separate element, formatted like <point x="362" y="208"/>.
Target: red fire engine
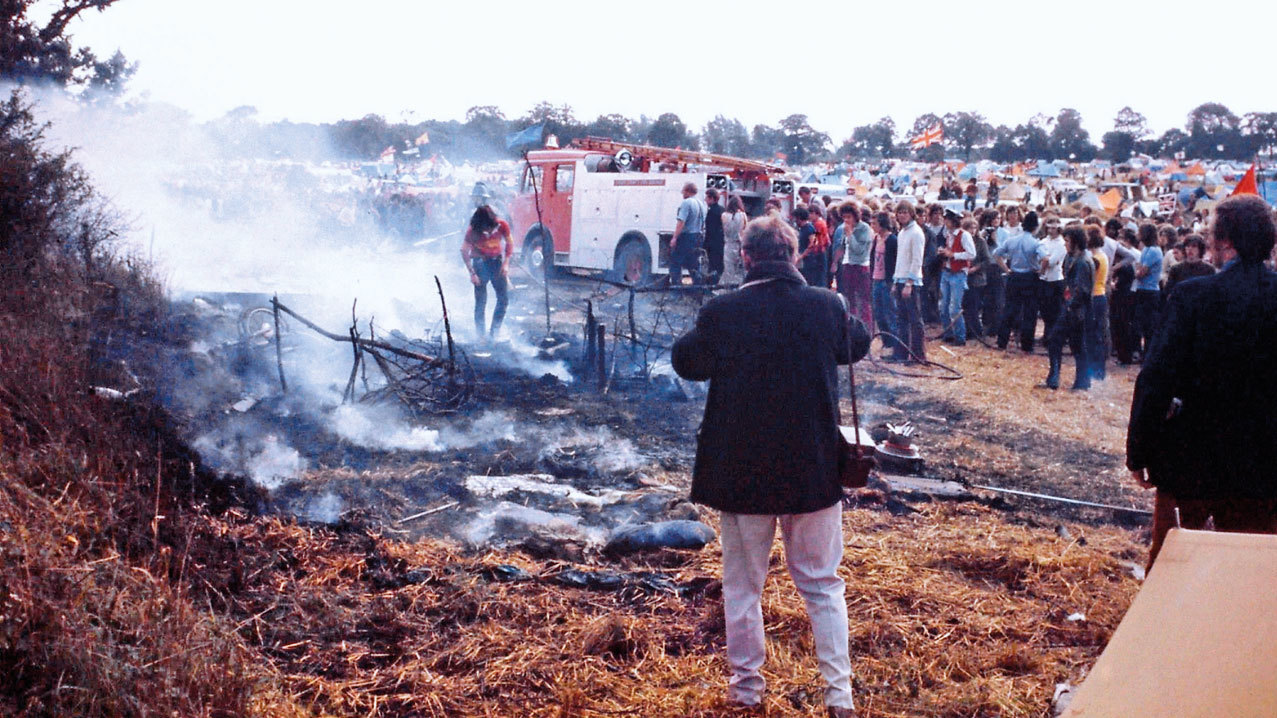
<point x="609" y="206"/>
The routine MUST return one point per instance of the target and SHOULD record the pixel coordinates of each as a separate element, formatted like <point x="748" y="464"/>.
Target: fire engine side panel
<point x="611" y="204"/>
<point x="594" y="216"/>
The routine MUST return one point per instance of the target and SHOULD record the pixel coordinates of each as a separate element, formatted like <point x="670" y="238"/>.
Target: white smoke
<point x="378" y="430"/>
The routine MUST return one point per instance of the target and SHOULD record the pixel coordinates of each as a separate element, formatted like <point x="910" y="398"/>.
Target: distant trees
<point x="613" y="126"/>
<point x="964" y="131"/>
<point x="800" y="141"/>
<point x="724" y="136"/>
<point x="1211" y="131"/>
<point x="1068" y="140"/>
<point x="1260" y="129"/>
<point x="669" y="131"/>
<point x="1214" y="132"/>
<point x="871" y="141"/>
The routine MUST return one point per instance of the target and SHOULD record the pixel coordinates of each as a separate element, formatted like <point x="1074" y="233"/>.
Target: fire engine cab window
<point x="563" y="177"/>
<point x="530" y="177"/>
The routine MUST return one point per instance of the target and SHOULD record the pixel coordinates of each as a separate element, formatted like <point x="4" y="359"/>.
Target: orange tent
<point x="1196" y="169"/>
<point x="1111" y="200"/>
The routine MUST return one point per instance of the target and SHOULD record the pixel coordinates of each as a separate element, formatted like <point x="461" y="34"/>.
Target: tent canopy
<point x="1045" y="170"/>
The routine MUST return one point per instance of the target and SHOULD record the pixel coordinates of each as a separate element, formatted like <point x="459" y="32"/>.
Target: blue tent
<point x="1044" y="170"/>
<point x="967" y="172"/>
<point x="1179" y="176"/>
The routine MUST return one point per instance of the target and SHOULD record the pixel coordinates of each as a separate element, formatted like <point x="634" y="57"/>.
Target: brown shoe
<point x="834" y="712"/>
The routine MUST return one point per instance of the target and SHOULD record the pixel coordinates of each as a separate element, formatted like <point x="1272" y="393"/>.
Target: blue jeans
<point x="885" y="311"/>
<point x="488" y="269"/>
<point x="953" y="285"/>
<point x="1097" y="336"/>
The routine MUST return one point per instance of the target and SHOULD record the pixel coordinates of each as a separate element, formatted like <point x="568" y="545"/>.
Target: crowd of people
<point x="1094" y="284"/>
<point x="1201" y="420"/>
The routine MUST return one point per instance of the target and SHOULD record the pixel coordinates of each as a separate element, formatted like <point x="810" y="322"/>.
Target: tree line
<point x="1211" y="131"/>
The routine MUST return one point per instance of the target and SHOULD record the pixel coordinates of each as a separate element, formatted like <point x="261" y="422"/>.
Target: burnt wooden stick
<point x="364" y="343"/>
<point x="279" y="351"/>
<point x="354" y="368"/>
<point x="633" y="330"/>
<point x="601" y="329"/>
<point x="447" y="329"/>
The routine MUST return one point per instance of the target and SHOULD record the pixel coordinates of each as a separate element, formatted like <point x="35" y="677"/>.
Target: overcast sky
<point x="323" y="60"/>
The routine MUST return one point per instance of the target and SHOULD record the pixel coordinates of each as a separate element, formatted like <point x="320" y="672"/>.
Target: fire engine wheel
<point x="535" y="255"/>
<point x="633" y="263"/>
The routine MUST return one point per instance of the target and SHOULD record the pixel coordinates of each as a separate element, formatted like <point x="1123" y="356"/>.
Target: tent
<point x="1199" y="640"/>
<point x="1111" y="200"/>
<point x="1045" y="170"/>
<point x="1092" y="200"/>
<point x="968" y="172"/>
<point x="1178" y="176"/>
<point x="1197" y="169"/>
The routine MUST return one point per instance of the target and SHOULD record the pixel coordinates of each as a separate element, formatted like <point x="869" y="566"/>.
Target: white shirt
<point x="1055" y="251"/>
<point x="910" y="245"/>
<point x="1112" y="248"/>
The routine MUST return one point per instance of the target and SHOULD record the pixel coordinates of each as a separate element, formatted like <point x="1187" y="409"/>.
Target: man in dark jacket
<point x="767" y="452"/>
<point x="1204" y="412"/>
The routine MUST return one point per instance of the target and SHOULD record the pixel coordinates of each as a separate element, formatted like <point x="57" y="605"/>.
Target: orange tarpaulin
<point x="1200" y="639"/>
<point x="1196" y="169"/>
<point x="1111" y="200"/>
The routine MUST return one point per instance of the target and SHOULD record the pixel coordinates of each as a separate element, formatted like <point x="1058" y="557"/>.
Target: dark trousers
<point x="1097" y="336"/>
<point x="1050" y="303"/>
<point x="909" y="322"/>
<point x="1070" y="327"/>
<point x="1148" y="305"/>
<point x="1020" y="310"/>
<point x="686" y="255"/>
<point x="995" y="292"/>
<point x="931" y="295"/>
<point x="714" y="253"/>
<point x="1251" y="516"/>
<point x="489" y="271"/>
<point x="886" y="315"/>
<point x="969" y="203"/>
<point x="972" y="303"/>
<point x="855" y="285"/>
<point x="1122" y="325"/>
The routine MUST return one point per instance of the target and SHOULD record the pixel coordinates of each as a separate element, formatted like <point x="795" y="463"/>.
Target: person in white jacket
<point x="908" y="285"/>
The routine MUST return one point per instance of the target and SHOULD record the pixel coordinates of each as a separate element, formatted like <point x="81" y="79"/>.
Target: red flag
<point x="1247" y="184"/>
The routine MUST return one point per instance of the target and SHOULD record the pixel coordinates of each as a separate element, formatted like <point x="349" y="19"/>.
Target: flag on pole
<point x="932" y="135"/>
<point x="530" y="136"/>
<point x="1247" y="184"/>
<point x="388" y="154"/>
<point x="424" y="139"/>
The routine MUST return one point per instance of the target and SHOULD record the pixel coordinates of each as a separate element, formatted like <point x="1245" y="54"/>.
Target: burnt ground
<point x="633" y="443"/>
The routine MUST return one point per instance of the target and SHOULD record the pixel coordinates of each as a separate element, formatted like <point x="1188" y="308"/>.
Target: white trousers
<point x="813" y="551"/>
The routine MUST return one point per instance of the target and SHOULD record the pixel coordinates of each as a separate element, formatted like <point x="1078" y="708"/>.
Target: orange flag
<point x="1247" y="184"/>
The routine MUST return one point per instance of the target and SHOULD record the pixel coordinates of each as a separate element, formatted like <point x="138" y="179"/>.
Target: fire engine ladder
<point x="665" y="154"/>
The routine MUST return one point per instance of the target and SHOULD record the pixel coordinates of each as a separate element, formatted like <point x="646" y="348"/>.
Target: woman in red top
<point x="484" y="256"/>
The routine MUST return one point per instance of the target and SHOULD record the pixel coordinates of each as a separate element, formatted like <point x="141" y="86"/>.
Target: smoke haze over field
<point x="239" y="231"/>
